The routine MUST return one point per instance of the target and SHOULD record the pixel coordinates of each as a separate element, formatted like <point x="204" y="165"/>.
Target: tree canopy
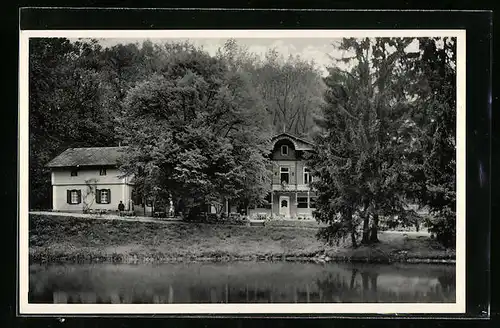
<point x="374" y="151"/>
<point x="196" y="132"/>
<point x="83" y="94"/>
<point x="65" y="100"/>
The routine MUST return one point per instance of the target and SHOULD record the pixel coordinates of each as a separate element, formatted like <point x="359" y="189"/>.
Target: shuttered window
<point x="103" y="196"/>
<point x="73" y="196"/>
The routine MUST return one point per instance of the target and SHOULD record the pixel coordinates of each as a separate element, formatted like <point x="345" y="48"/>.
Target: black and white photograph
<point x="233" y="171"/>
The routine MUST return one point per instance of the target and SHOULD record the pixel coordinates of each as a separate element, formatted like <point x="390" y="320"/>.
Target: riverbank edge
<point x="53" y="241"/>
<point x="43" y="257"/>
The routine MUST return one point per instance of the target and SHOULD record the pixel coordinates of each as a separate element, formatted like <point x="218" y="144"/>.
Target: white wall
<point x="63" y="176"/>
<point x="88" y="198"/>
<point x="87" y="181"/>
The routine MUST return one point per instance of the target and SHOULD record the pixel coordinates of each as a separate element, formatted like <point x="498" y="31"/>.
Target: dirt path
<point x="110" y="217"/>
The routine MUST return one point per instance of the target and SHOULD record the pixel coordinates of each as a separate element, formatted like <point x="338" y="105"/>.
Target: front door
<point x="285" y="206"/>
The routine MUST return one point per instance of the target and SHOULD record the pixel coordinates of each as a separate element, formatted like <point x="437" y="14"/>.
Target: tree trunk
<point x="353" y="238"/>
<point x="352" y="228"/>
<point x="366" y="223"/>
<point x="366" y="229"/>
<point x="374" y="231"/>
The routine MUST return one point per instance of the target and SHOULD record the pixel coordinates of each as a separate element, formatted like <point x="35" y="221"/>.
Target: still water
<point x="241" y="282"/>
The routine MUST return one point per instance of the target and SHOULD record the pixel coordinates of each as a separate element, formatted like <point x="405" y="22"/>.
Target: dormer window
<point x="284" y="150"/>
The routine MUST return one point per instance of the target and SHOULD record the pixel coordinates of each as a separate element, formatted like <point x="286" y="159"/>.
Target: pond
<point x="241" y="282"/>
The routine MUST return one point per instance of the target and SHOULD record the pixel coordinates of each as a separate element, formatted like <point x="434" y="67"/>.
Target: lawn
<point x="70" y="239"/>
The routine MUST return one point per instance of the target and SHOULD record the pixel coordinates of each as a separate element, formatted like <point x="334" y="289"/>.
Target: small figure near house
<point x="121" y="208"/>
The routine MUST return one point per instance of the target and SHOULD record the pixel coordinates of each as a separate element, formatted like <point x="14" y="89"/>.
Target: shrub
<point x="128" y="213"/>
<point x="275" y="218"/>
<point x="213" y="218"/>
<point x="261" y="216"/>
<point x="443" y="230"/>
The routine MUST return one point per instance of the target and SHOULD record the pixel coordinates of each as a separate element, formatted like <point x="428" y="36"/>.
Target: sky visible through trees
<point x="322" y="51"/>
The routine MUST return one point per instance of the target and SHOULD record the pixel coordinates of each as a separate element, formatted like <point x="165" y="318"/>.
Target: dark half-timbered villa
<point x="291" y="195"/>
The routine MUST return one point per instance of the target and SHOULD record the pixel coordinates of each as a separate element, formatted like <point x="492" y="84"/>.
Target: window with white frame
<point x="301" y="202"/>
<point x="307" y="176"/>
<point x="284" y="175"/>
<point x="104" y="196"/>
<point x="284" y="150"/>
<point x="74" y="197"/>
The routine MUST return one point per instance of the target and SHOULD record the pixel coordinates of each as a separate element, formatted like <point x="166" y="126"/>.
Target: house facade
<point x="291" y="195"/>
<point x="88" y="179"/>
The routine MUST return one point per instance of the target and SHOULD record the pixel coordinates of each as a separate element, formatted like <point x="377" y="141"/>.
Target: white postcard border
<point x="26" y="308"/>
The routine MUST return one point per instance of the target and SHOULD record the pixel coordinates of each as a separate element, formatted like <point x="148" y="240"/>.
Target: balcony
<point x="291" y="187"/>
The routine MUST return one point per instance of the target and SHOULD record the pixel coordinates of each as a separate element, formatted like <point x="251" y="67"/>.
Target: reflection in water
<point x="241" y="283"/>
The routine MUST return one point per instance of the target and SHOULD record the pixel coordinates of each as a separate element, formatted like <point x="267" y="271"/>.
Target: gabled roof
<point x="93" y="156"/>
<point x="298" y="143"/>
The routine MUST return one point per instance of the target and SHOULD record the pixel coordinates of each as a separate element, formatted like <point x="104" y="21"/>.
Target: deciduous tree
<point x="195" y="131"/>
<point x="64" y="106"/>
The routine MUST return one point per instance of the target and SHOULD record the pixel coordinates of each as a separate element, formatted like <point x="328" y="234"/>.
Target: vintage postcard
<point x="242" y="171"/>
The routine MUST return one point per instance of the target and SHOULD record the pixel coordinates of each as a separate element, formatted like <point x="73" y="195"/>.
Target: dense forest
<point x="82" y="94"/>
<point x="198" y="126"/>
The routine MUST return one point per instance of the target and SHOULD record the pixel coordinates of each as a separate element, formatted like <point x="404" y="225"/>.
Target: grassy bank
<point x="68" y="239"/>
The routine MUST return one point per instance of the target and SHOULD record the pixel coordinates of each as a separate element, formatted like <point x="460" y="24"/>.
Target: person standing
<point x="121" y="208"/>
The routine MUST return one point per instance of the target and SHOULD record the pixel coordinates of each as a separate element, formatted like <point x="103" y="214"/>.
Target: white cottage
<point x="88" y="179"/>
